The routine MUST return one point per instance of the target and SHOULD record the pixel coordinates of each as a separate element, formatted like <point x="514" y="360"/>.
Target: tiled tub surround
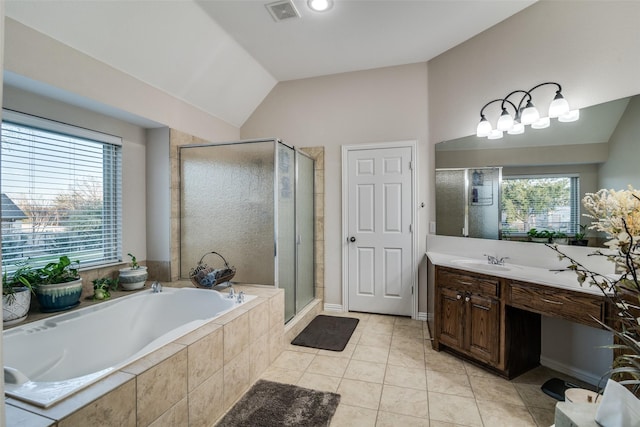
<point x="44" y="364"/>
<point x="190" y="381"/>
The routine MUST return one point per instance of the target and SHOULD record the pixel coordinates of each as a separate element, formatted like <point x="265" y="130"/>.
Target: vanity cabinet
<point x="473" y="320"/>
<point x="496" y="322"/>
<point x="468" y="314"/>
<point x="565" y="304"/>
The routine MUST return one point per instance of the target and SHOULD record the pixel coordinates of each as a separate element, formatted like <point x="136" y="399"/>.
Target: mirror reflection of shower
<point x="468" y="202"/>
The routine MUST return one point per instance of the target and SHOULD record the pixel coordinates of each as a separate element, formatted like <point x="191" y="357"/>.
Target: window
<point x="540" y="202"/>
<point x="61" y="193"/>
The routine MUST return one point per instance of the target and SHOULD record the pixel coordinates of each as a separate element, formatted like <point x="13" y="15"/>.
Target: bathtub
<point x="48" y="360"/>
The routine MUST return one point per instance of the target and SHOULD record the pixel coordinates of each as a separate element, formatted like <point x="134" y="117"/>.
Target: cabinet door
<point x="450" y="326"/>
<point x="482" y="327"/>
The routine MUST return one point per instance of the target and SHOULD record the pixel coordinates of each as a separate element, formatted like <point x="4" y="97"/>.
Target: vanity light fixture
<point x="320" y="5"/>
<point x="524" y="113"/>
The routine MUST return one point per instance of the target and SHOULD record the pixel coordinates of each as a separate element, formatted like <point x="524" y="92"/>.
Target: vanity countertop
<point x="566" y="279"/>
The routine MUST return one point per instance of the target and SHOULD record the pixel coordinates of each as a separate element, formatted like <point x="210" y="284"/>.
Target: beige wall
<point x="36" y="56"/>
<point x="382" y="105"/>
<point x="622" y="167"/>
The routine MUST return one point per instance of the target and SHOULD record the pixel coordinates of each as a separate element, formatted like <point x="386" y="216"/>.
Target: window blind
<point x="541" y="202"/>
<point x="61" y="193"/>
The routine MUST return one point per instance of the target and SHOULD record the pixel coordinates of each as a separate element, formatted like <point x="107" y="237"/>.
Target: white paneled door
<point x="379" y="230"/>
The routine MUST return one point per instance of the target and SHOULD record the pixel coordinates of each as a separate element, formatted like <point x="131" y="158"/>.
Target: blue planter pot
<point x="59" y="297"/>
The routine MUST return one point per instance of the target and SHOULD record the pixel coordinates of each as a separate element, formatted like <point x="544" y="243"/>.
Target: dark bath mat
<point x="327" y="333"/>
<point x="269" y="404"/>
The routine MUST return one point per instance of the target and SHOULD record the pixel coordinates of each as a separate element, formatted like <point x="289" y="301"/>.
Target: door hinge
<point x="412" y="290"/>
<point x="410" y="228"/>
<point x="410" y="166"/>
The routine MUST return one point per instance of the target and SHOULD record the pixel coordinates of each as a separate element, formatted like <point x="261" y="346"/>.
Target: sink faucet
<point x="495" y="260"/>
<point x="156" y="287"/>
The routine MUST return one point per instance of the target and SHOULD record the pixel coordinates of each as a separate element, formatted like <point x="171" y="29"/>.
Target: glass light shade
<point x="505" y="122"/>
<point x="542" y="123"/>
<point x="320" y="5"/>
<point x="530" y="114"/>
<point x="558" y="107"/>
<point x="495" y="134"/>
<point x="517" y="129"/>
<point x="484" y="128"/>
<point x="571" y="116"/>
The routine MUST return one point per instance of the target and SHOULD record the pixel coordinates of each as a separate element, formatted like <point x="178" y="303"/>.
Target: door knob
<point x="352" y="239"/>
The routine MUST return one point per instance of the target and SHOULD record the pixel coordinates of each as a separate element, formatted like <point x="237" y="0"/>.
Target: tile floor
<point x="388" y="375"/>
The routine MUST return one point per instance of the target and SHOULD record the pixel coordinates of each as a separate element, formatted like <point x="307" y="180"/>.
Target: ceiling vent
<point x="281" y="10"/>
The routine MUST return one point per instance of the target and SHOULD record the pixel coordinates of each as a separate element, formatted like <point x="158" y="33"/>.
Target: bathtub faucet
<point x="156" y="287"/>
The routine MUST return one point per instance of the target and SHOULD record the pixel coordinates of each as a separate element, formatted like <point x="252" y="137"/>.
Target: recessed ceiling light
<point x="320" y="5"/>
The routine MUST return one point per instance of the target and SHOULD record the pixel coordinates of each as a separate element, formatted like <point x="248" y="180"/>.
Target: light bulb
<point x="542" y="123"/>
<point x="484" y="128"/>
<point x="571" y="116"/>
<point x="320" y="5"/>
<point x="558" y="107"/>
<point x="530" y="114"/>
<point x="505" y="122"/>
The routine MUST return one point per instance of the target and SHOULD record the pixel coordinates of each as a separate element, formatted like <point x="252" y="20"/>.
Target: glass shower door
<point x="285" y="227"/>
<point x="305" y="276"/>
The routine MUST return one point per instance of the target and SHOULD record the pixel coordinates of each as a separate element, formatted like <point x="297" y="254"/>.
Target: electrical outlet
<point x="432" y="227"/>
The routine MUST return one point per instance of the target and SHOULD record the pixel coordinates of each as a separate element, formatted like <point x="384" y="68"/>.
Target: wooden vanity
<point x="495" y="321"/>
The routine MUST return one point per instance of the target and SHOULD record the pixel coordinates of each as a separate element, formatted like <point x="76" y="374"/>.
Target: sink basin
<point x="481" y="265"/>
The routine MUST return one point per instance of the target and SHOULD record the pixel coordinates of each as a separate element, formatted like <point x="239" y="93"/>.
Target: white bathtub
<point x="48" y="360"/>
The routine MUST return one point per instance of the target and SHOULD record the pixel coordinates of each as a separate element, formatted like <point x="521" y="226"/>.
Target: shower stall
<point x="252" y="202"/>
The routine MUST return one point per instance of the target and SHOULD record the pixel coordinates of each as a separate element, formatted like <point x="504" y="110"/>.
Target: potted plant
<point x="59" y="285"/>
<point x="16" y="293"/>
<point x="134" y="276"/>
<point x="539" y="236"/>
<point x="578" y="238"/>
<point x="559" y="238"/>
<point x="617" y="214"/>
<point x="102" y="286"/>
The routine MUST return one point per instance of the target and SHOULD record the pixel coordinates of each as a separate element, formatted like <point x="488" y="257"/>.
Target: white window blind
<point x="541" y="202"/>
<point x="61" y="193"/>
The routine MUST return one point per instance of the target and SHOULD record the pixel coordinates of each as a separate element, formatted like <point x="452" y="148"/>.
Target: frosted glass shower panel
<point x="484" y="202"/>
<point x="450" y="202"/>
<point x="286" y="254"/>
<point x="305" y="276"/>
<point x="227" y="206"/>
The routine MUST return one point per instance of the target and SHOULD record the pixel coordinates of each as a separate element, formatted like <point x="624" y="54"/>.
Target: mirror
<point x="601" y="150"/>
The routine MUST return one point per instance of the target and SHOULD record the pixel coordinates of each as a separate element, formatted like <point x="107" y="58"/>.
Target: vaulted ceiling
<point x="225" y="56"/>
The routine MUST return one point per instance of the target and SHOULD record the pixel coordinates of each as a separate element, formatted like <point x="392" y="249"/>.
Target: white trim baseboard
<point x="422" y="316"/>
<point x="580" y="374"/>
<point x="333" y="307"/>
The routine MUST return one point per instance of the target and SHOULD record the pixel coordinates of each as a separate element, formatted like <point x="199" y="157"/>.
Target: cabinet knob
<point x="467" y="299"/>
<point x="458" y="296"/>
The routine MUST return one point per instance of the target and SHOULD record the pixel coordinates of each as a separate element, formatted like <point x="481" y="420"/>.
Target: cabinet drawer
<point x="574" y="306"/>
<point x="469" y="282"/>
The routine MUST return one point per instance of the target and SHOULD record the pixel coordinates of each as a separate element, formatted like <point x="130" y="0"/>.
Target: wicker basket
<point x="203" y="276"/>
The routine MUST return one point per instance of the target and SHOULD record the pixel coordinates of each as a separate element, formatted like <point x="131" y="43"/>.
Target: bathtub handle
<point x="240" y="297"/>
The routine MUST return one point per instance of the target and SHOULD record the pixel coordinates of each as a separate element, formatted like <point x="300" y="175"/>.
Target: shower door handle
<point x="352" y="239"/>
